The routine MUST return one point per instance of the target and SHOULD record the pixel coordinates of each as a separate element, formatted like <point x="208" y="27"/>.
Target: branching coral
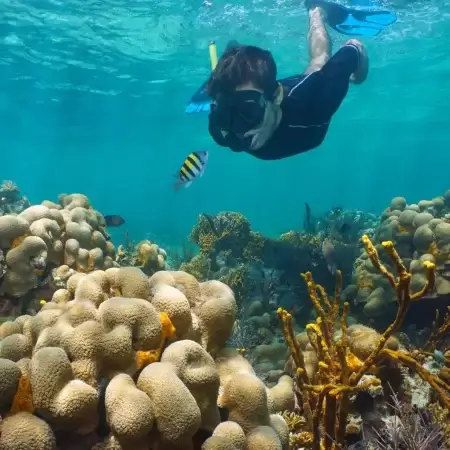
<point x="228" y="232"/>
<point x="325" y="397"/>
<point x="254" y="250"/>
<point x="208" y="232"/>
<point x="308" y="241"/>
<point x="199" y="266"/>
<point x="238" y="280"/>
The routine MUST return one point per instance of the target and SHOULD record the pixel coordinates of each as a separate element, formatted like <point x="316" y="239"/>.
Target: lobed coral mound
<point x="43" y="237"/>
<point x="146" y="255"/>
<point x="119" y="361"/>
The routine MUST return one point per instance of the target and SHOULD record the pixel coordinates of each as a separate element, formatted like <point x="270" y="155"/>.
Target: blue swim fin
<point x="355" y="22"/>
<point x="200" y="102"/>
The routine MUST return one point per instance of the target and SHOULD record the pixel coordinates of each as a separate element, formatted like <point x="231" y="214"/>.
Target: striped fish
<point x="193" y="167"/>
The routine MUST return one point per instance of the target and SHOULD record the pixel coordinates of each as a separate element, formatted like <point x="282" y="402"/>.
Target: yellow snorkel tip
<point x="213" y="54"/>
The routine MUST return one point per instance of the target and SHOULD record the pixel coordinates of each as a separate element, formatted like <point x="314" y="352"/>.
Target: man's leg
<point x="319" y="41"/>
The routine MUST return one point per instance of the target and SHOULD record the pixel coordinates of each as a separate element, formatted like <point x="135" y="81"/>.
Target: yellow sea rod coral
<point x="325" y="395"/>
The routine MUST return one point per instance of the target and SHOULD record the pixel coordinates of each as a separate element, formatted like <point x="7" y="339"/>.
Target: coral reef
<point x="343" y="225"/>
<point x="263" y="273"/>
<point x="111" y="350"/>
<point x="227" y="231"/>
<point x="420" y="232"/>
<point x="332" y="367"/>
<point x="120" y="361"/>
<point x="44" y="244"/>
<point x="232" y="252"/>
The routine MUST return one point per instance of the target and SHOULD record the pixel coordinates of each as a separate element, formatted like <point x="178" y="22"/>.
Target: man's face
<point x="247" y="115"/>
<point x="270" y="118"/>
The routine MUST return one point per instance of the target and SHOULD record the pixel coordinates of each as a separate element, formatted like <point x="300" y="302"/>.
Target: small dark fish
<point x="307" y="217"/>
<point x="211" y="223"/>
<point x="114" y="220"/>
<point x="345" y="228"/>
<point x="329" y="254"/>
<point x="193" y="167"/>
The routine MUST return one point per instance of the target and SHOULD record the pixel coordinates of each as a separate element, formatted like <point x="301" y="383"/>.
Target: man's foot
<point x="360" y="75"/>
<point x="310" y="4"/>
<point x="317" y="7"/>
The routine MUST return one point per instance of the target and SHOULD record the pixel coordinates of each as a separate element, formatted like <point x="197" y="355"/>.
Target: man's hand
<point x="272" y="118"/>
<point x="259" y="137"/>
<point x="361" y="74"/>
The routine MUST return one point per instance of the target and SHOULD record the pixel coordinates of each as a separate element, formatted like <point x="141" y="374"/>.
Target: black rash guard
<point x="308" y="105"/>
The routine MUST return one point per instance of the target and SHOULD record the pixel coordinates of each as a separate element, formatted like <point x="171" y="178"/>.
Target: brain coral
<point x="44" y="237"/>
<point x="118" y="361"/>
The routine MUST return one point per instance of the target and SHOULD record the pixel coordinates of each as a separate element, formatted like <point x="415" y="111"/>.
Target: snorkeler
<point x="252" y="112"/>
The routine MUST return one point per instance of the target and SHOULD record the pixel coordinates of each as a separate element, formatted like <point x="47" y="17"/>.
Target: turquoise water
<point x="92" y="98"/>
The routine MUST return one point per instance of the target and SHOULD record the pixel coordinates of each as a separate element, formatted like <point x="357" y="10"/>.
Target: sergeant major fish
<point x="193" y="167"/>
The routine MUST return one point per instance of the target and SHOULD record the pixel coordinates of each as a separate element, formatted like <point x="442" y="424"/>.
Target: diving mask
<point x="239" y="113"/>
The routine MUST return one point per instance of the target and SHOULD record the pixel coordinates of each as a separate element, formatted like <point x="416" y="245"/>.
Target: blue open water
<point x="92" y="98"/>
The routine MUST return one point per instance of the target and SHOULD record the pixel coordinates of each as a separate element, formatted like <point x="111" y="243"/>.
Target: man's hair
<point x="241" y="65"/>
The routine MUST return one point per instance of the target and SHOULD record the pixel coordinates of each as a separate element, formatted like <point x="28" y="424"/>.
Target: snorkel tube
<point x="213" y="54"/>
<point x="200" y="102"/>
